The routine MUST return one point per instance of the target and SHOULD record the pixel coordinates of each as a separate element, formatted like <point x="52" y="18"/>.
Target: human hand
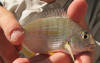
<point x="76" y="11"/>
<point x="11" y="35"/>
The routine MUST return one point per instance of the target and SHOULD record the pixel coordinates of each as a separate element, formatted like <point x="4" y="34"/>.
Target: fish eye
<point x="85" y="35"/>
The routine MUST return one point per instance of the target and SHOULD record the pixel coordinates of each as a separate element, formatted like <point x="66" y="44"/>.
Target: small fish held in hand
<point x="50" y="31"/>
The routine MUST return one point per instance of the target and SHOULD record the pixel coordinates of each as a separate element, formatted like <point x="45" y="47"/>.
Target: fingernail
<point x="17" y="36"/>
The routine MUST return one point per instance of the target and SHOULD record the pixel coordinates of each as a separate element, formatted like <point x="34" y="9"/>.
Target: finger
<point x="31" y="60"/>
<point x="11" y="27"/>
<point x="21" y="60"/>
<point x="84" y="59"/>
<point x="77" y="11"/>
<point x="58" y="58"/>
<point x="7" y="51"/>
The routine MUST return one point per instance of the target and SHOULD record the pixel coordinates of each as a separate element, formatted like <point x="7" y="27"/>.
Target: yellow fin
<point x="27" y="53"/>
<point x="68" y="47"/>
<point x="51" y="53"/>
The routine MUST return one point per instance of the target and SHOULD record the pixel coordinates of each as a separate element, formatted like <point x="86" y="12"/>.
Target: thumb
<point x="12" y="30"/>
<point x="77" y="11"/>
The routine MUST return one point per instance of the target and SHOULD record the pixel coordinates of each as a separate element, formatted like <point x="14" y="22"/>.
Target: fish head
<point x="81" y="40"/>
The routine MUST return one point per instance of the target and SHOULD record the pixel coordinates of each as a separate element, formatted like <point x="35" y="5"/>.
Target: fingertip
<point x="16" y="37"/>
<point x="77" y="10"/>
<point x="21" y="60"/>
<point x="14" y="33"/>
<point x="10" y="26"/>
<point x="58" y="58"/>
<point x="84" y="59"/>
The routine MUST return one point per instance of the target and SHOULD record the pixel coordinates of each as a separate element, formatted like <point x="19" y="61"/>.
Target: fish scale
<point x="52" y="32"/>
<point x="56" y="27"/>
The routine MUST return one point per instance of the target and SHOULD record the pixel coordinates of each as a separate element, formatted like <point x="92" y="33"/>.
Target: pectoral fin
<point x="68" y="47"/>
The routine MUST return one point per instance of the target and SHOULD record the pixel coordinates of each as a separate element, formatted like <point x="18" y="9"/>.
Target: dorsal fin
<point x="45" y="14"/>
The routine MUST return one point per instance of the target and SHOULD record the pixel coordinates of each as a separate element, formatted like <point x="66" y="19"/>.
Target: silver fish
<point x="54" y="31"/>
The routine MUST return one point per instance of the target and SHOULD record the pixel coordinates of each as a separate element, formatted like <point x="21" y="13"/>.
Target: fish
<point x="52" y="30"/>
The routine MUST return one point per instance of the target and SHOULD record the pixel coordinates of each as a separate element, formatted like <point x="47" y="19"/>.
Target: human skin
<point x="11" y="35"/>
